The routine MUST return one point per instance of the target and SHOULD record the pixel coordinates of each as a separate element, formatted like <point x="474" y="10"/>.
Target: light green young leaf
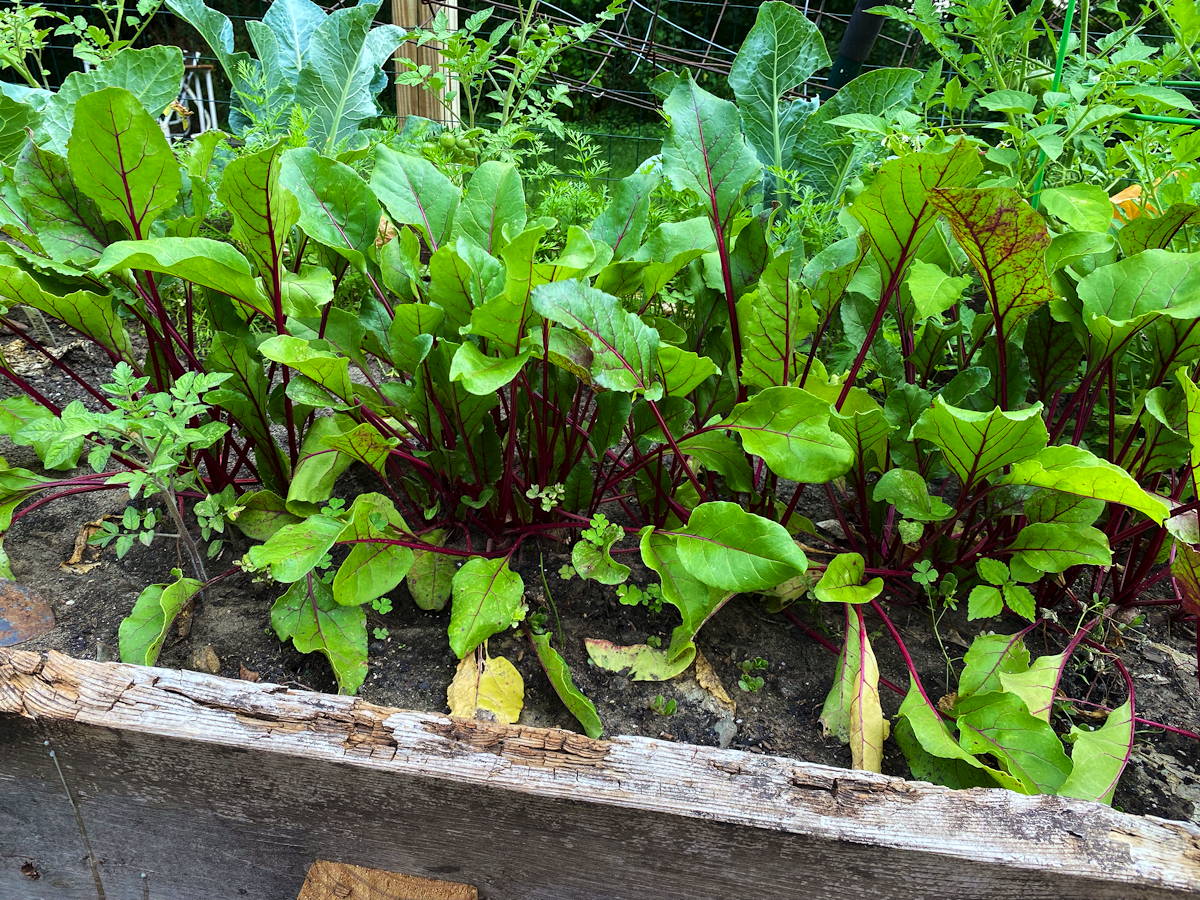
<point x="1100" y="756"/>
<point x="263" y="212"/>
<point x="487" y="598"/>
<point x="728" y="548"/>
<point x="260" y="514"/>
<point x="933" y="291"/>
<point x="594" y="562"/>
<point x="1074" y="470"/>
<point x="431" y="577"/>
<point x="308" y="615"/>
<point x="68" y="224"/>
<point x="696" y="600"/>
<point x="909" y="493"/>
<point x="774" y="317"/>
<point x="1037" y="685"/>
<point x="328" y="369"/>
<point x="374" y="567"/>
<point x="977" y="444"/>
<point x="142" y="632"/>
<point x="984" y="601"/>
<point x="1000" y="725"/>
<point x="481" y="374"/>
<point x="1083" y="207"/>
<point x="789" y="428"/>
<point x="623" y="222"/>
<point x="842" y="581"/>
<point x="1056" y="546"/>
<point x="560" y="679"/>
<point x="988" y="657"/>
<point x="292" y="551"/>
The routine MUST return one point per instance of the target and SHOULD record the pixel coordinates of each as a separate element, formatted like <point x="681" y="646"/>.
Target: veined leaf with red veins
<point x="1185" y="568"/>
<point x="897" y="208"/>
<point x="337" y="208"/>
<point x="93" y="315"/>
<point x="414" y="192"/>
<point x="119" y="157"/>
<point x="1006" y="241"/>
<point x="1145" y="233"/>
<point x="1027" y="747"/>
<point x="623" y="222"/>
<point x="624" y="348"/>
<point x="774" y="318"/>
<point x="1099" y="757"/>
<point x="976" y="444"/>
<point x="263" y="213"/>
<point x="705" y="152"/>
<point x="1037" y="685"/>
<point x="67" y="221"/>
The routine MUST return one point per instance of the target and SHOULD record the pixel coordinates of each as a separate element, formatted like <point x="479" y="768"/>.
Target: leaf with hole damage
<point x="308" y="615"/>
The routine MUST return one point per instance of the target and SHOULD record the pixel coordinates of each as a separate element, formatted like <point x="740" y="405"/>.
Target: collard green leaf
<point x="337" y="208"/>
<point x="1056" y="546"/>
<point x="842" y="581"/>
<point x="1077" y="471"/>
<point x="341" y="75"/>
<point x="142" y="632"/>
<point x="153" y="75"/>
<point x="1006" y="241"/>
<point x="1099" y="757"/>
<point x="293" y="22"/>
<point x="560" y="679"/>
<point x="820" y="153"/>
<point x="119" y="157"/>
<point x="789" y="428"/>
<point x="978" y="444"/>
<point x="315" y="623"/>
<point x="414" y="192"/>
<point x="728" y="548"/>
<point x="492" y="207"/>
<point x="624" y="348"/>
<point x="780" y="52"/>
<point x="16" y="120"/>
<point x="705" y="152"/>
<point x="487" y="598"/>
<point x="93" y="315"/>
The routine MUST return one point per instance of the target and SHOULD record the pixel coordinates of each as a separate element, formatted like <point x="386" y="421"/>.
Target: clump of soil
<point x="412" y="666"/>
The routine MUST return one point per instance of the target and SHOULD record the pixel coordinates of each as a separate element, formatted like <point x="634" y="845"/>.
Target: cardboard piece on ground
<point x="339" y="881"/>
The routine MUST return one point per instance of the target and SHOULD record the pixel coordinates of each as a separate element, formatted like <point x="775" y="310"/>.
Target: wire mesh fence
<point x="609" y="76"/>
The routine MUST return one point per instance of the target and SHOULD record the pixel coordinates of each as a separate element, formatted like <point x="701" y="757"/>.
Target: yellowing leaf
<point x="492" y="692"/>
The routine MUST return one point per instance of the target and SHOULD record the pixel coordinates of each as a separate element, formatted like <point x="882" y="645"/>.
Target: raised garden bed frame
<point x="131" y="783"/>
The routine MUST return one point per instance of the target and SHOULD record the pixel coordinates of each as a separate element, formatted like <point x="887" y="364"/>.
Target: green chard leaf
<point x="487" y="598"/>
<point x="308" y="615"/>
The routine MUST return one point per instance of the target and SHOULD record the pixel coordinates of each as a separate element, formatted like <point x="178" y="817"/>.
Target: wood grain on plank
<point x="239" y="772"/>
<point x="339" y="881"/>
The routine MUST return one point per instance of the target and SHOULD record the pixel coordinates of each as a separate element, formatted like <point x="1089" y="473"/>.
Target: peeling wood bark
<point x="224" y="789"/>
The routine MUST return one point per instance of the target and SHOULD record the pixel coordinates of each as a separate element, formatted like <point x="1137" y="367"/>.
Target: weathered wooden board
<point x="192" y="787"/>
<point x="339" y="881"/>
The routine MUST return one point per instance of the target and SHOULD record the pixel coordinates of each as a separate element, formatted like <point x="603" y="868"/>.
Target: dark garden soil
<point x="413" y="665"/>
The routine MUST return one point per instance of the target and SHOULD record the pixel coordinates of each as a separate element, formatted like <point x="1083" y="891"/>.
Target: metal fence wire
<point x="610" y="75"/>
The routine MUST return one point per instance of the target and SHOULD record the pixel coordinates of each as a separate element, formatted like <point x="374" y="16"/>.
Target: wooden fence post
<point x="417" y="101"/>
